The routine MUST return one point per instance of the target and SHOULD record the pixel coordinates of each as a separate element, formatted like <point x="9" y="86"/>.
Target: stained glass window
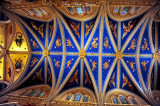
<point x="125" y="10"/>
<point x="70" y="9"/>
<point x="24" y="93"/>
<point x="133" y="102"/>
<point x="123" y="100"/>
<point x="85" y="99"/>
<point x="115" y="101"/>
<point x="34" y="93"/>
<point x="41" y="94"/>
<point x="42" y="10"/>
<point x="27" y="11"/>
<point x="88" y="9"/>
<point x="135" y="9"/>
<point x="68" y="97"/>
<point x="77" y="97"/>
<point x="35" y="11"/>
<point x="79" y="10"/>
<point x="116" y="9"/>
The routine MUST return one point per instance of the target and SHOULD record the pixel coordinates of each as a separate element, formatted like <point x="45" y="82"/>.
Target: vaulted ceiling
<point x="101" y="50"/>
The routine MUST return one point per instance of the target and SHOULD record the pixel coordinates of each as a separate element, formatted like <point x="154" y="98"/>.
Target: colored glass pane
<point x="116" y="9"/>
<point x="85" y="99"/>
<point x="115" y="101"/>
<point x="34" y="93"/>
<point x="133" y="102"/>
<point x="41" y="94"/>
<point x="88" y="9"/>
<point x="79" y="10"/>
<point x="68" y="97"/>
<point x="134" y="9"/>
<point x="77" y="97"/>
<point x="125" y="10"/>
<point x="123" y="100"/>
<point x="70" y="9"/>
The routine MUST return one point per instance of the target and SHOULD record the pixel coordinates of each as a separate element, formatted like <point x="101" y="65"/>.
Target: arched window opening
<point x="26" y="11"/>
<point x="125" y="10"/>
<point x="115" y="101"/>
<point x="132" y="101"/>
<point x="123" y="100"/>
<point x="34" y="93"/>
<point x="79" y="10"/>
<point x="41" y="94"/>
<point x="77" y="97"/>
<point x="88" y="9"/>
<point x="2" y="86"/>
<point x="116" y="9"/>
<point x="85" y="99"/>
<point x="43" y="11"/>
<point x="134" y="9"/>
<point x="68" y="97"/>
<point x="70" y="9"/>
<point x="36" y="12"/>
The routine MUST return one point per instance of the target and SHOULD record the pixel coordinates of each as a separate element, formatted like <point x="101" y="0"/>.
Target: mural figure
<point x="69" y="43"/>
<point x="74" y="78"/>
<point x="58" y="42"/>
<point x="89" y="27"/>
<point x="69" y="62"/>
<point x="132" y="65"/>
<point x="127" y="82"/>
<point x="38" y="76"/>
<point x="93" y="65"/>
<point x="128" y="29"/>
<point x="34" y="44"/>
<point x="39" y="29"/>
<point x="75" y="27"/>
<point x="106" y="65"/>
<point x="33" y="62"/>
<point x="113" y="28"/>
<point x="133" y="44"/>
<point x="94" y="43"/>
<point x="87" y="79"/>
<point x="145" y="46"/>
<point x="49" y="76"/>
<point x="9" y="31"/>
<point x="112" y="81"/>
<point x="18" y="39"/>
<point x="144" y="65"/>
<point x="106" y="43"/>
<point x="18" y="65"/>
<point x="51" y="29"/>
<point x="57" y="63"/>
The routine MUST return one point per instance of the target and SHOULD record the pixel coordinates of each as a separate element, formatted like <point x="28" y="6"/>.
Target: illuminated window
<point x="116" y="9"/>
<point x="77" y="97"/>
<point x="33" y="93"/>
<point x="70" y="9"/>
<point x="134" y="9"/>
<point x="68" y="97"/>
<point x="35" y="11"/>
<point x="43" y="11"/>
<point x="24" y="93"/>
<point x="115" y="101"/>
<point x="85" y="99"/>
<point x="125" y="10"/>
<point x="40" y="95"/>
<point x="27" y="11"/>
<point x="88" y="9"/>
<point x="79" y="10"/>
<point x="133" y="102"/>
<point x="123" y="100"/>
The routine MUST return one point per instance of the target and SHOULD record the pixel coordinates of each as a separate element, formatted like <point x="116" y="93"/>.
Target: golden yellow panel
<point x="2" y="34"/>
<point x="9" y="33"/>
<point x="19" y="62"/>
<point x="1" y="68"/>
<point x="19" y="43"/>
<point x="8" y="70"/>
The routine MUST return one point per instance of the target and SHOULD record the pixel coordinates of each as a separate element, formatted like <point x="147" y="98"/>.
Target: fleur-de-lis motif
<point x="106" y="43"/>
<point x="58" y="42"/>
<point x="144" y="65"/>
<point x="57" y="63"/>
<point x="133" y="44"/>
<point x="93" y="64"/>
<point x="145" y="46"/>
<point x="106" y="64"/>
<point x="69" y="62"/>
<point x="94" y="43"/>
<point x="132" y="65"/>
<point x="69" y="43"/>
